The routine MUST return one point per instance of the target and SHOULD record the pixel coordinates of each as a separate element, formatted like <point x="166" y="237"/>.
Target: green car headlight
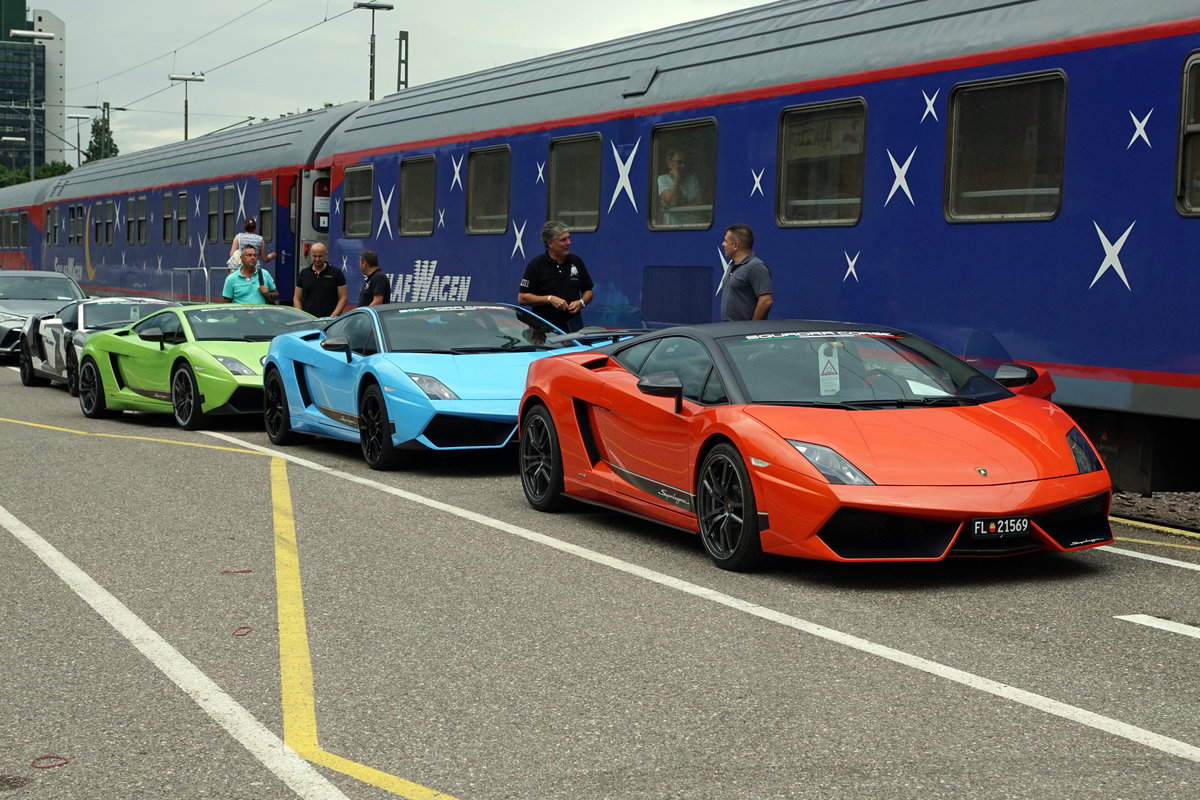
<point x="432" y="387"/>
<point x="1086" y="459"/>
<point x="831" y="464"/>
<point x="234" y="366"/>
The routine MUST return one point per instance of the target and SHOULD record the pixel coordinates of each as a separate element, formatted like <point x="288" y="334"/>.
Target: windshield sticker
<point x="827" y="368"/>
<point x="820" y="335"/>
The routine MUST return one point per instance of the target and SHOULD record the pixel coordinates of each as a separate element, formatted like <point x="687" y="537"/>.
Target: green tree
<point x="53" y="169"/>
<point x="101" y="145"/>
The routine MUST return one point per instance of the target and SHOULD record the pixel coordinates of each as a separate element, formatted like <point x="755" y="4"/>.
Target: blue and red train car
<point x="1008" y="179"/>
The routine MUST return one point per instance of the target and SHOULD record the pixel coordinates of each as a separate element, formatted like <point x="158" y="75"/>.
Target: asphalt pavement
<point x="203" y="615"/>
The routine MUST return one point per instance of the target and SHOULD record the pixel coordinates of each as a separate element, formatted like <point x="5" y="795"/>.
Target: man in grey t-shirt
<point x="746" y="288"/>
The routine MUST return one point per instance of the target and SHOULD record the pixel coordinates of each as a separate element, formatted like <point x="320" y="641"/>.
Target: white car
<point x="51" y="343"/>
<point x="24" y="293"/>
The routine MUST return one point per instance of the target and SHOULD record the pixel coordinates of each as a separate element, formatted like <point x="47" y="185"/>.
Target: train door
<point x="274" y="198"/>
<point x="311" y="209"/>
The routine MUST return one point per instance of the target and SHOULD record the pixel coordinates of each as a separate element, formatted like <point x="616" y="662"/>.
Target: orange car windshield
<point x="859" y="369"/>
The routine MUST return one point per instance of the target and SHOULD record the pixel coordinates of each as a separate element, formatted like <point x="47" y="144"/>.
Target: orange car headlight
<point x="831" y="464"/>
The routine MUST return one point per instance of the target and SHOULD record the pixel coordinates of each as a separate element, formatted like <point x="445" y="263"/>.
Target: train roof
<point x="768" y="45"/>
<point x="291" y="140"/>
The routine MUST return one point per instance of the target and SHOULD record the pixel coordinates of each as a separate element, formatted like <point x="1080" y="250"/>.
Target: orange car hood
<point x="1011" y="440"/>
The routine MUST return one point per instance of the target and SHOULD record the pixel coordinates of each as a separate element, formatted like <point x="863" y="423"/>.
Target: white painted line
<point x="1108" y="548"/>
<point x="1162" y="624"/>
<point x="264" y="745"/>
<point x="1081" y="716"/>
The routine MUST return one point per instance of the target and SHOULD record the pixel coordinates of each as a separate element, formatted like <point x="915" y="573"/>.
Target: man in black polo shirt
<point x="376" y="286"/>
<point x="556" y="284"/>
<point x="320" y="289"/>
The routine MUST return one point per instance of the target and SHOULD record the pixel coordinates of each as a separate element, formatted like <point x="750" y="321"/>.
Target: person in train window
<point x="249" y="286"/>
<point x="320" y="289"/>
<point x="556" y="284"/>
<point x="746" y="287"/>
<point x="376" y="287"/>
<point x="249" y="237"/>
<point x="678" y="186"/>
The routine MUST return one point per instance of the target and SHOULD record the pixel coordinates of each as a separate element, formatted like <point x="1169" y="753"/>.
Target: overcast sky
<point x="264" y="58"/>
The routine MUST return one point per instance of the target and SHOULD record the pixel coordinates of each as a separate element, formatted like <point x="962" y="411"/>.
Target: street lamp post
<point x="32" y="36"/>
<point x="78" y="152"/>
<point x="186" y="80"/>
<point x="373" y="7"/>
<point x="13" y="140"/>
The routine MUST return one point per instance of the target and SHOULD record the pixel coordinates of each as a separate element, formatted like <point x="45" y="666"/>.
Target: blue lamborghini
<point x="406" y="377"/>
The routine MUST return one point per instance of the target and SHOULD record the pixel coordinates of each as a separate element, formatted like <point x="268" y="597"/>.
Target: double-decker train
<point x="1009" y="178"/>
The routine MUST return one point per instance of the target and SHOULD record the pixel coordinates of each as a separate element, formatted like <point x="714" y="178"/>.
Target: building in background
<point x="49" y="87"/>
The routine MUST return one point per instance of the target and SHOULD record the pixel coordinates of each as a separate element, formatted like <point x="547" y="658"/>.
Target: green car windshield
<point x="247" y="323"/>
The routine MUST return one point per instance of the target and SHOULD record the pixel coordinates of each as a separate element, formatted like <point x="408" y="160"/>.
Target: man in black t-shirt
<point x="556" y="284"/>
<point x="320" y="289"/>
<point x="376" y="287"/>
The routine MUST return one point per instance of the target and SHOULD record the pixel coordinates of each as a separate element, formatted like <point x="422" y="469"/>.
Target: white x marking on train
<point x="386" y="214"/>
<point x="441" y="217"/>
<point x="1112" y="255"/>
<point x="929" y="101"/>
<point x="901" y="181"/>
<point x="1139" y="129"/>
<point x="757" y="181"/>
<point x="623" y="168"/>
<point x="241" y="190"/>
<point x="850" y="262"/>
<point x="457" y="179"/>
<point x="519" y="230"/>
<point x="541" y="172"/>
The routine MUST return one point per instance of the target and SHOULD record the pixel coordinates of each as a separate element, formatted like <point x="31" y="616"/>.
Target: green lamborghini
<point x="188" y="361"/>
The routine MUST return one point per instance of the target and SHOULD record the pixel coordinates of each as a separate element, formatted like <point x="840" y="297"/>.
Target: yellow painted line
<point x="1153" y="527"/>
<point x="295" y="663"/>
<point x="126" y="436"/>
<point x="1158" y="544"/>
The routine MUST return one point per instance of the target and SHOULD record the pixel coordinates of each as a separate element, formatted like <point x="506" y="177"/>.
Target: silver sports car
<point x="25" y="293"/>
<point x="51" y="343"/>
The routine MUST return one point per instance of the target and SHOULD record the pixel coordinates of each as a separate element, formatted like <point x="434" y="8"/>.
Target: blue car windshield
<point x="247" y="323"/>
<point x="30" y="285"/>
<point x="466" y="329"/>
<point x="855" y="369"/>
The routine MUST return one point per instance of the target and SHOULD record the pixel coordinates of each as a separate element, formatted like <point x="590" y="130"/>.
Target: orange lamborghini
<point x="822" y="440"/>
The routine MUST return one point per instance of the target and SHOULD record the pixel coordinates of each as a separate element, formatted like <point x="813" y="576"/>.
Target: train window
<point x="1188" y="192"/>
<point x="417" y="176"/>
<point x="81" y="230"/>
<point x="5" y="232"/>
<point x="70" y="225"/>
<point x="487" y="190"/>
<point x="821" y="164"/>
<point x="1005" y="146"/>
<point x="49" y="226"/>
<point x="266" y="211"/>
<point x="227" y="214"/>
<point x="168" y="218"/>
<point x="142" y="209"/>
<point x="357" y="188"/>
<point x="214" y="212"/>
<point x="573" y="183"/>
<point x="98" y="223"/>
<point x="110" y="219"/>
<point x="683" y="176"/>
<point x="23" y="229"/>
<point x="131" y="221"/>
<point x="181" y="219"/>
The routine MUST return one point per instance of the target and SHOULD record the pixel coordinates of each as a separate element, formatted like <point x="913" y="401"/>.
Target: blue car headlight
<point x="432" y="387"/>
<point x="1086" y="459"/>
<point x="831" y="464"/>
<point x="234" y="366"/>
